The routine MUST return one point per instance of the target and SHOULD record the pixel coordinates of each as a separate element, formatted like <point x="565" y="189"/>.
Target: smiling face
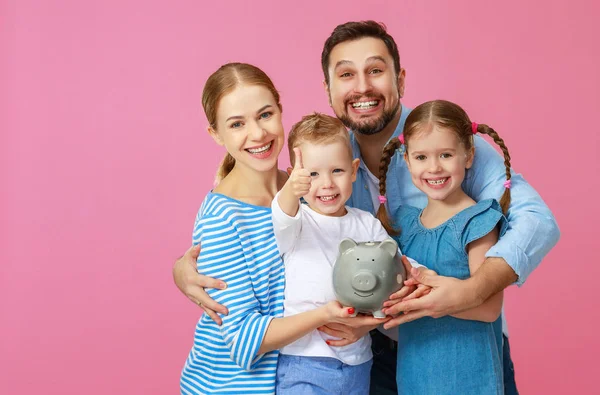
<point x="364" y="89"/>
<point x="437" y="161"/>
<point x="248" y="124"/>
<point x="332" y="171"/>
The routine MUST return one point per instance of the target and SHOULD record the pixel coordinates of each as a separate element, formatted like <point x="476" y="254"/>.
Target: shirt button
<point x="366" y="186"/>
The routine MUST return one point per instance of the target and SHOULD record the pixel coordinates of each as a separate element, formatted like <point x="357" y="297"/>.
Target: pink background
<point x="104" y="160"/>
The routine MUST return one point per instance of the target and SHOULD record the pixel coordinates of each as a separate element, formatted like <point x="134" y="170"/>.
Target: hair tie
<point x="401" y="138"/>
<point x="507" y="184"/>
<point x="474" y="127"/>
<point x="382" y="199"/>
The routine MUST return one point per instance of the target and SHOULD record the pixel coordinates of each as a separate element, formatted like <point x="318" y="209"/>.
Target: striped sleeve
<point x="222" y="256"/>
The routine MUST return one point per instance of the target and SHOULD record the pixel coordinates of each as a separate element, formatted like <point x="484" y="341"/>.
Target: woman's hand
<point x="192" y="284"/>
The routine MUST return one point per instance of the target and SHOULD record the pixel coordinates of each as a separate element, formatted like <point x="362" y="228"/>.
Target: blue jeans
<point x="320" y="376"/>
<point x="510" y="385"/>
<point x="383" y="373"/>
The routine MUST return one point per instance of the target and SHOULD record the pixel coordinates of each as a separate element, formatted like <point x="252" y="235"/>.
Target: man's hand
<point x="352" y="330"/>
<point x="192" y="284"/>
<point x="448" y="295"/>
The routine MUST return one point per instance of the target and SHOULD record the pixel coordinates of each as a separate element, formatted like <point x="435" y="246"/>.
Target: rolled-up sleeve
<point x="532" y="229"/>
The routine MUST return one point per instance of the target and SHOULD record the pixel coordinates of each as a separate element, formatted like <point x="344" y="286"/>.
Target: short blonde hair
<point x="317" y="128"/>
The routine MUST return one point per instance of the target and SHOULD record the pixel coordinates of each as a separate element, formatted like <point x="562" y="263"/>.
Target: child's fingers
<point x="404" y="291"/>
<point x="339" y="343"/>
<point x="421" y="290"/>
<point x="298" y="158"/>
<point x="411" y="282"/>
<point x="391" y="302"/>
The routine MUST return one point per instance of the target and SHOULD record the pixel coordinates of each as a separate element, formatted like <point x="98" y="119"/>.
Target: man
<point x="365" y="82"/>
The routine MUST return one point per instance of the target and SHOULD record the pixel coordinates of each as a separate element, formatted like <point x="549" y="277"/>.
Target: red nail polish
<point x="327" y="341"/>
<point x="350" y="310"/>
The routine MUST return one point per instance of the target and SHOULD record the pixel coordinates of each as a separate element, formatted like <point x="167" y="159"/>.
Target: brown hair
<point x="223" y="81"/>
<point x="318" y="129"/>
<point x="447" y="115"/>
<point x="350" y="31"/>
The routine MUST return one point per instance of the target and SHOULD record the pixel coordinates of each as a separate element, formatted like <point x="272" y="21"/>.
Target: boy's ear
<point x="213" y="133"/>
<point x="470" y="157"/>
<point x="355" y="164"/>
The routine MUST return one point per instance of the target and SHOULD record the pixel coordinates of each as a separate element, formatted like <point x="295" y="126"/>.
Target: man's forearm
<point x="493" y="276"/>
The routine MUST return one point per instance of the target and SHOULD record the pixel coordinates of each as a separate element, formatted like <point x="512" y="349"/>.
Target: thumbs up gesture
<point x="300" y="179"/>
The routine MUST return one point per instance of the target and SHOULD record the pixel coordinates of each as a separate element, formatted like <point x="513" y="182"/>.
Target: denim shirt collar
<point x="361" y="197"/>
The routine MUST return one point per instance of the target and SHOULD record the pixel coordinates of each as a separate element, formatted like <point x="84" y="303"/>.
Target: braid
<point x="388" y="152"/>
<point x="505" y="199"/>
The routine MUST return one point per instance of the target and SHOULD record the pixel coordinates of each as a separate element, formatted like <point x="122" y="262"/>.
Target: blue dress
<point x="448" y="355"/>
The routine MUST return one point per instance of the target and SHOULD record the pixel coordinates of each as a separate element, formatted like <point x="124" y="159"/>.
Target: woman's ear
<point x="213" y="133"/>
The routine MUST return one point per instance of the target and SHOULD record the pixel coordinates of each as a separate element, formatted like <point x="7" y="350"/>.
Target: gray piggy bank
<point x="366" y="274"/>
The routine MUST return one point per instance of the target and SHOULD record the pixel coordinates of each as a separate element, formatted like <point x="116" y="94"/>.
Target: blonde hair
<point x="220" y="83"/>
<point x="317" y="128"/>
<point x="447" y="115"/>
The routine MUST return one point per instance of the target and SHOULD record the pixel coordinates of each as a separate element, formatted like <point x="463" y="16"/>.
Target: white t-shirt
<point x="309" y="245"/>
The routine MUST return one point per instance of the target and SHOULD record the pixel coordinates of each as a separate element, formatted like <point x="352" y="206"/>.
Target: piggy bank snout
<point x="364" y="281"/>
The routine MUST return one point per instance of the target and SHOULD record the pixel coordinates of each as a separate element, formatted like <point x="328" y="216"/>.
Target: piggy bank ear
<point x="389" y="246"/>
<point x="346" y="244"/>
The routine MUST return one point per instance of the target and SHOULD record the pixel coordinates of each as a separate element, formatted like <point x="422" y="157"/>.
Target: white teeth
<point x="437" y="182"/>
<point x="327" y="198"/>
<point x="260" y="150"/>
<point x="365" y="104"/>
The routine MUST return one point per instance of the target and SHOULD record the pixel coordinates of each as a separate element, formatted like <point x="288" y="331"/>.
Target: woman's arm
<point x="283" y="331"/>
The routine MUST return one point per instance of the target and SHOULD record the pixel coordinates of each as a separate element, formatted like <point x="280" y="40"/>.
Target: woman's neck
<point x="251" y="186"/>
<point x="439" y="211"/>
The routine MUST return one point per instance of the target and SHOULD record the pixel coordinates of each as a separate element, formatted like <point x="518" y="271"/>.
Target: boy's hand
<point x="300" y="179"/>
<point x="338" y="313"/>
<point x="352" y="330"/>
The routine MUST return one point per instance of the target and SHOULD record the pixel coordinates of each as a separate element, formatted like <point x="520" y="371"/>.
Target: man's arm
<point x="193" y="285"/>
<point x="532" y="230"/>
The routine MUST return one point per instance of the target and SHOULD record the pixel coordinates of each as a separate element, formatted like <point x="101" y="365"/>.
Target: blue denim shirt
<point x="532" y="229"/>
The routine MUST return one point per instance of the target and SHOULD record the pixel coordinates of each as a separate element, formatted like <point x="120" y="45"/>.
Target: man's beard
<point x="369" y="127"/>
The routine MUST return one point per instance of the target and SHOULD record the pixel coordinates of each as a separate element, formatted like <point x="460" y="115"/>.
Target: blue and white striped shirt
<point x="238" y="247"/>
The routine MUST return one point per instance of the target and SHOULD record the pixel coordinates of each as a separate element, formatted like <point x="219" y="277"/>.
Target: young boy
<point x="308" y="236"/>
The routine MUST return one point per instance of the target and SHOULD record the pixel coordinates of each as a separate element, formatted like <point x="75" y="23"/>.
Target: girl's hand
<point x="421" y="290"/>
<point x="412" y="289"/>
<point x="300" y="179"/>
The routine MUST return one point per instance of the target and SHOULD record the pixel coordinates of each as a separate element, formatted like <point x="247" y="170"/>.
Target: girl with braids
<point x="461" y="353"/>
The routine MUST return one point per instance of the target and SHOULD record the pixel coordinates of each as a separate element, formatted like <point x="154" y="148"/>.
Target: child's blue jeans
<point x="320" y="376"/>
